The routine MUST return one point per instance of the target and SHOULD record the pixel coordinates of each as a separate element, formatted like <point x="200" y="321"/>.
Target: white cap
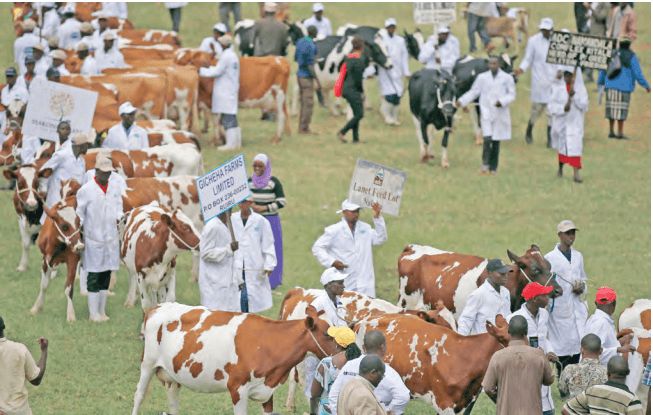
<point x="546" y="23"/>
<point x="109" y="35"/>
<point x="103" y="164"/>
<point x="443" y="29"/>
<point x="126" y="108"/>
<point x="81" y="46"/>
<point x="81" y="138"/>
<point x="347" y="205"/>
<point x="270" y="7"/>
<point x="318" y="7"/>
<point x="390" y="22"/>
<point x="68" y="8"/>
<point x="47" y="4"/>
<point x="220" y="27"/>
<point x="225" y="39"/>
<point x="332" y="274"/>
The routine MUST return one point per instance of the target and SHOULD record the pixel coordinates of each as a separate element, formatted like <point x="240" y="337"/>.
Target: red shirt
<point x="104" y="188"/>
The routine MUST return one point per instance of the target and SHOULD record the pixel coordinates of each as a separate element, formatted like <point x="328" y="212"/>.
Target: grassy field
<point x="94" y="369"/>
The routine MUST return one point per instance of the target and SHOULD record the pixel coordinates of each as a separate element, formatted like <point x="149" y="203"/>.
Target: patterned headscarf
<point x="262" y="181"/>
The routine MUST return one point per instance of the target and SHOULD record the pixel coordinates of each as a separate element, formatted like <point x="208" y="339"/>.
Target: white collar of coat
<point x="602" y="314"/>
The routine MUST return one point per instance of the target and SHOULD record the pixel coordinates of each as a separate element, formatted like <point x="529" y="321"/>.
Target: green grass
<point x="94" y="369"/>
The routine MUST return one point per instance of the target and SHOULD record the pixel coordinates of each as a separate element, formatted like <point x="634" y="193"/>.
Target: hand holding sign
<point x="377" y="209"/>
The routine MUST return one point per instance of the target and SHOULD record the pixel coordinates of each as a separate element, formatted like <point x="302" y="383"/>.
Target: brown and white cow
<point x="146" y="37"/>
<point x="508" y="27"/>
<point x="217" y="351"/>
<point x="635" y="320"/>
<point x="10" y="150"/>
<point x="428" y="274"/>
<point x="438" y="365"/>
<point x="152" y="238"/>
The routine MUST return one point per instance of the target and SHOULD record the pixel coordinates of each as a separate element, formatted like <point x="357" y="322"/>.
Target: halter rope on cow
<point x="318" y="344"/>
<point x="183" y="242"/>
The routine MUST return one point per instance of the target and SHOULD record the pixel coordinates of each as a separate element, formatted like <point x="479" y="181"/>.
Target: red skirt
<point x="572" y="161"/>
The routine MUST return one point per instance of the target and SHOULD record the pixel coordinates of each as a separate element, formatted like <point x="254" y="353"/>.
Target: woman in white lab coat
<point x="497" y="90"/>
<point x="255" y="258"/>
<point x="218" y="280"/>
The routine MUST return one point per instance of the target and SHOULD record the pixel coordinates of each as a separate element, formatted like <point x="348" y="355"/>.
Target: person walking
<point x="542" y="74"/>
<point x="358" y="396"/>
<point x="268" y="197"/>
<point x="229" y="7"/>
<point x="391" y="82"/>
<point x="348" y="245"/>
<point x="270" y="36"/>
<point x="567" y="105"/>
<point x="623" y="22"/>
<point x="350" y="86"/>
<point x="126" y="135"/>
<point x="497" y="90"/>
<point x="99" y="207"/>
<point x="477" y="14"/>
<point x="441" y="52"/>
<point x="576" y="378"/>
<point x="226" y="84"/>
<point x="516" y="374"/>
<point x="305" y="54"/>
<point x="174" y="7"/>
<point x="619" y="89"/>
<point x="17" y="365"/>
<point x="255" y="258"/>
<point x="600" y="11"/>
<point x="567" y="313"/>
<point x="321" y="23"/>
<point x="218" y="281"/>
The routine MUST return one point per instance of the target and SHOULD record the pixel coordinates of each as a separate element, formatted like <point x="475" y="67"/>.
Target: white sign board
<point x="373" y="183"/>
<point x="52" y="102"/>
<point x="434" y="13"/>
<point x="223" y="187"/>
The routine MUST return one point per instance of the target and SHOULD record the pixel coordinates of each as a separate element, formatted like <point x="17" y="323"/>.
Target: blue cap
<point x="29" y="59"/>
<point x="11" y="71"/>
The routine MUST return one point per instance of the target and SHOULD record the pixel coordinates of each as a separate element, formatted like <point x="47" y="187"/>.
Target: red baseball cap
<point x="534" y="289"/>
<point x="606" y="295"/>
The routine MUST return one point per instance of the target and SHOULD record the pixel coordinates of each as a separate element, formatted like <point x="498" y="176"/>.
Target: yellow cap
<point x="344" y="336"/>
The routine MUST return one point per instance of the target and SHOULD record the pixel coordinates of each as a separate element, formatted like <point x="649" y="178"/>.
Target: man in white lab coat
<point x="347" y="245"/>
<point x="43" y="62"/>
<point x="391" y="83"/>
<point x="533" y="310"/>
<point x="115" y="9"/>
<point x="601" y="324"/>
<point x="23" y="45"/>
<point x="51" y="20"/>
<point x="321" y="23"/>
<point x="89" y="65"/>
<point x="441" y="52"/>
<point x="226" y="85"/>
<point x="107" y="56"/>
<point x="210" y="44"/>
<point x="542" y="74"/>
<point x="69" y="33"/>
<point x="59" y="62"/>
<point x="567" y="105"/>
<point x="255" y="258"/>
<point x="567" y="313"/>
<point x="487" y="301"/>
<point x="497" y="90"/>
<point x="101" y="26"/>
<point x="126" y="135"/>
<point x="218" y="280"/>
<point x="99" y="207"/>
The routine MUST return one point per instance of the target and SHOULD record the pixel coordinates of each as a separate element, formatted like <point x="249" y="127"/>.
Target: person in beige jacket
<point x="357" y="396"/>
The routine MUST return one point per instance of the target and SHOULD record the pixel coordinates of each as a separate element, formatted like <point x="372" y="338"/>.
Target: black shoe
<point x="621" y="137"/>
<point x="612" y="135"/>
<point x="529" y="134"/>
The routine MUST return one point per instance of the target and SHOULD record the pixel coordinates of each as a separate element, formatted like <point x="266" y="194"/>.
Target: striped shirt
<point x="271" y="196"/>
<point x="609" y="398"/>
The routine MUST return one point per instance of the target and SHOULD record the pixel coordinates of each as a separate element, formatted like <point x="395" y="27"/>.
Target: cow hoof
<point x="21" y="268"/>
<point x="35" y="310"/>
<point x="425" y="159"/>
<point x="275" y="140"/>
<point x="445" y="164"/>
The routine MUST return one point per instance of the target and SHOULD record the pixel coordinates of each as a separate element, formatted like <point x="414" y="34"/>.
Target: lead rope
<point x="66" y="239"/>
<point x="318" y="344"/>
<point x="184" y="242"/>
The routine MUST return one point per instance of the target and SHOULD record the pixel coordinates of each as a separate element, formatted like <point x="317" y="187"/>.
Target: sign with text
<point x="435" y="13"/>
<point x="223" y="187"/>
<point x="574" y="49"/>
<point x="373" y="183"/>
<point x="52" y="102"/>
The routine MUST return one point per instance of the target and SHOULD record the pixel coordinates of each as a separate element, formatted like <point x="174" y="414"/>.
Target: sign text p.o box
<point x="373" y="183"/>
<point x="223" y="187"/>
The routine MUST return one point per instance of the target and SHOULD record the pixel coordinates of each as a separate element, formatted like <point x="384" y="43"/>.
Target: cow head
<point x="15" y="112"/>
<point x="321" y="343"/>
<point x="534" y="268"/>
<point x="378" y="51"/>
<point x="66" y="223"/>
<point x="500" y="330"/>
<point x="414" y="42"/>
<point x="182" y="230"/>
<point x="296" y="31"/>
<point x="505" y="64"/>
<point x="10" y="150"/>
<point x="27" y="185"/>
<point x="439" y="95"/>
<point x="69" y="188"/>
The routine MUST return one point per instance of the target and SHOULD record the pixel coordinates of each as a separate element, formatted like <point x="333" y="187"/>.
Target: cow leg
<point x="146" y="374"/>
<point x="331" y="103"/>
<point x="204" y="113"/>
<point x="173" y="390"/>
<point x="268" y="407"/>
<point x="25" y="240"/>
<point x="167" y="293"/>
<point x="69" y="288"/>
<point x="45" y="282"/>
<point x="423" y="144"/>
<point x="292" y="388"/>
<point x="134" y="281"/>
<point x="476" y="116"/>
<point x="240" y="408"/>
<point x="444" y="160"/>
<point x="112" y="282"/>
<point x="218" y="135"/>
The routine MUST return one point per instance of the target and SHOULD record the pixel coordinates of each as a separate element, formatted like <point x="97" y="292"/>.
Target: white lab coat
<point x="255" y="255"/>
<point x="118" y="139"/>
<point x="218" y="280"/>
<point x="111" y="59"/>
<point x="89" y="176"/>
<point x="495" y="121"/>
<point x="98" y="214"/>
<point x="541" y="72"/>
<point x="390" y="80"/>
<point x="483" y="304"/>
<point x="23" y="48"/>
<point x="98" y="42"/>
<point x="62" y="70"/>
<point x="51" y="24"/>
<point x="89" y="67"/>
<point x="339" y="243"/>
<point x="602" y="325"/>
<point x="226" y="83"/>
<point x="205" y="46"/>
<point x="323" y="27"/>
<point x="568" y="128"/>
<point x="64" y="166"/>
<point x="391" y="391"/>
<point x="568" y="313"/>
<point x="31" y="144"/>
<point x="449" y="53"/>
<point x="115" y="9"/>
<point x="68" y="33"/>
<point x="538" y="327"/>
<point x="17" y="92"/>
<point x="42" y="66"/>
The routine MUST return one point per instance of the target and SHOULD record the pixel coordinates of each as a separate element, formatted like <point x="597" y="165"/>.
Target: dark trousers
<point x="175" y="15"/>
<point x="98" y="281"/>
<point x="244" y="301"/>
<point x="566" y="361"/>
<point x="306" y="100"/>
<point x="476" y="24"/>
<point x="227" y="7"/>
<point x="491" y="153"/>
<point x="356" y="103"/>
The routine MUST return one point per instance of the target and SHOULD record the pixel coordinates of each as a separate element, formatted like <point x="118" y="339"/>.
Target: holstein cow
<point x="153" y="237"/>
<point x="438" y="365"/>
<point x="427" y="275"/>
<point x="508" y="26"/>
<point x="635" y="320"/>
<point x="217" y="351"/>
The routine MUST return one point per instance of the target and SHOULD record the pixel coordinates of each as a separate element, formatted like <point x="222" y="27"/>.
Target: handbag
<point x="614" y="67"/>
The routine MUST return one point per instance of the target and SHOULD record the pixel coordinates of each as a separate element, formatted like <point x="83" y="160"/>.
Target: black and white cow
<point x="414" y="43"/>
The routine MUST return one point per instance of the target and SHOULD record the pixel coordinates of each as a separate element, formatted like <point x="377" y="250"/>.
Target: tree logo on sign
<point x="61" y="104"/>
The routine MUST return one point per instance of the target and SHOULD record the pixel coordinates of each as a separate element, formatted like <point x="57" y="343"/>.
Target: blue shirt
<point x="305" y="52"/>
<point x="625" y="81"/>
